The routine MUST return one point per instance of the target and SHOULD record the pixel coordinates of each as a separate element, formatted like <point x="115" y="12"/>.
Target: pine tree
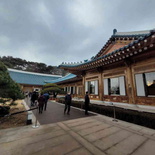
<point x="8" y="88"/>
<point x="52" y="89"/>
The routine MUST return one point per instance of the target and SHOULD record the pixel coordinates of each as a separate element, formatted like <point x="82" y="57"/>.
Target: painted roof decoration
<point x="140" y="41"/>
<point x="64" y="78"/>
<point x="31" y="78"/>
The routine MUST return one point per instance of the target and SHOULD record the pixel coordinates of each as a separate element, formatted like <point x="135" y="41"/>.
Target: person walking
<point x="34" y="97"/>
<point x="41" y="102"/>
<point x="46" y="95"/>
<point x="87" y="101"/>
<point x="68" y="100"/>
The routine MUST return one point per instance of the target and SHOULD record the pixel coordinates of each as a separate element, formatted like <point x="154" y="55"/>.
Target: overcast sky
<point x="56" y="31"/>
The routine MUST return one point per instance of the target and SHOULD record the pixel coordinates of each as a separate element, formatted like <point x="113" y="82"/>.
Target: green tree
<point x="8" y="88"/>
<point x="52" y="89"/>
<point x="20" y="64"/>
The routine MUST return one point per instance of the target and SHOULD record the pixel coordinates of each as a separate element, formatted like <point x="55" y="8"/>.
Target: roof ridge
<point x="26" y="72"/>
<point x="133" y="32"/>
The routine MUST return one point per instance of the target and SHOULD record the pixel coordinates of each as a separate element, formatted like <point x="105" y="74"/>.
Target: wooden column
<point x="75" y="89"/>
<point x="130" y="85"/>
<point x="83" y="83"/>
<point x="100" y="86"/>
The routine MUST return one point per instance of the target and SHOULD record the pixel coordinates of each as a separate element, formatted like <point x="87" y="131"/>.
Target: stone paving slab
<point x="127" y="146"/>
<point x="93" y="129"/>
<point x="104" y="137"/>
<point x="65" y="145"/>
<point x="111" y="140"/>
<point x="136" y="127"/>
<point x="147" y="131"/>
<point x="79" y="122"/>
<point x="103" y="133"/>
<point x="80" y="152"/>
<point x="86" y="144"/>
<point x="20" y="133"/>
<point x="86" y="126"/>
<point x="146" y="149"/>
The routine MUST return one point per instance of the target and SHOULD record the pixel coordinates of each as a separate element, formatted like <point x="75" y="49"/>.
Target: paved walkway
<point x="55" y="113"/>
<point x="97" y="135"/>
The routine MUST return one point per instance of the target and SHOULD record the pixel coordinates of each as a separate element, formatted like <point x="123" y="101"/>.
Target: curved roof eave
<point x="67" y="77"/>
<point x="113" y="52"/>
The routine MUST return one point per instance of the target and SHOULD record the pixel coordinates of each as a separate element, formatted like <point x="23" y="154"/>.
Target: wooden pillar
<point x="83" y="74"/>
<point x="83" y="85"/>
<point x="75" y="87"/>
<point x="130" y="85"/>
<point x="100" y="86"/>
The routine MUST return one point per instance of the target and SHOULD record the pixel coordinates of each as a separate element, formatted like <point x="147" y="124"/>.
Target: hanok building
<point x="30" y="81"/>
<point x="71" y="83"/>
<point x="123" y="70"/>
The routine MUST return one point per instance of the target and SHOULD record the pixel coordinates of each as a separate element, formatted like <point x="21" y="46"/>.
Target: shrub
<point x="52" y="89"/>
<point x="4" y="110"/>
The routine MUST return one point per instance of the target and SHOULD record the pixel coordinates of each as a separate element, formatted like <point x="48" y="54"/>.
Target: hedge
<point x="146" y="119"/>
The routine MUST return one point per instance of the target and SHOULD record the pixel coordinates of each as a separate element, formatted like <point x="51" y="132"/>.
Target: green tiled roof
<point x="31" y="78"/>
<point x="131" y="34"/>
<point x="140" y="34"/>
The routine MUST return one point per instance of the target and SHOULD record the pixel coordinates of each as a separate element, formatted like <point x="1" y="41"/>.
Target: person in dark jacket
<point x="46" y="95"/>
<point x="34" y="97"/>
<point x="41" y="102"/>
<point x="87" y="101"/>
<point x="68" y="100"/>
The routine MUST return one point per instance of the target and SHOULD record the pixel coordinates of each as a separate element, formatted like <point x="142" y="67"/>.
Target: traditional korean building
<point x="71" y="83"/>
<point x="30" y="81"/>
<point x="122" y="71"/>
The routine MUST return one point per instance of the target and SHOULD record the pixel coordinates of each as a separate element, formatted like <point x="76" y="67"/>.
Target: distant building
<point x="71" y="83"/>
<point x="31" y="81"/>
<point x="123" y="71"/>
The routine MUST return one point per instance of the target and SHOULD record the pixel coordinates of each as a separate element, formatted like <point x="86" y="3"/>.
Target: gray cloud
<point x="56" y="31"/>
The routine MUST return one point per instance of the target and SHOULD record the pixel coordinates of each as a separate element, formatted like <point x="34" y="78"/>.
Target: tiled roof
<point x="143" y="44"/>
<point x="142" y="36"/>
<point x="133" y="33"/>
<point x="31" y="78"/>
<point x="67" y="77"/>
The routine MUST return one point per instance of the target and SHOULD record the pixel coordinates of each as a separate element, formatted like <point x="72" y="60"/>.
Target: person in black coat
<point x="34" y="97"/>
<point x="41" y="102"/>
<point x="68" y="100"/>
<point x="87" y="101"/>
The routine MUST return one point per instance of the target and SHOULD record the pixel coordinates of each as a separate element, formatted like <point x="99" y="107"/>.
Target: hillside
<point x="20" y="64"/>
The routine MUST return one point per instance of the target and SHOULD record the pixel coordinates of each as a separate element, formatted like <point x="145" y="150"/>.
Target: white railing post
<point x="29" y="118"/>
<point x="35" y="125"/>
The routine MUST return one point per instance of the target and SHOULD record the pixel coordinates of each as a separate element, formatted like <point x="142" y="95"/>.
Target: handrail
<point x="20" y="112"/>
